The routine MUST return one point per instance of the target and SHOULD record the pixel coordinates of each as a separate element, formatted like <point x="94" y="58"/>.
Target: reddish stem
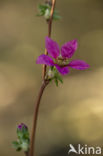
<point x="49" y="33"/>
<point x="44" y="84"/>
<point x="36" y="110"/>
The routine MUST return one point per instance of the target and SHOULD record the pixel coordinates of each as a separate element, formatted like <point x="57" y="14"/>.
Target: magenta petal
<point x="52" y="47"/>
<point x="44" y="59"/>
<point x="69" y="48"/>
<point x="62" y="70"/>
<point x="79" y="65"/>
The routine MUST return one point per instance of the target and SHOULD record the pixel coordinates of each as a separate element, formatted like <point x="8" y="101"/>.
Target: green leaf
<point x="43" y="6"/>
<point x="57" y="76"/>
<point x="42" y="9"/>
<point x="45" y="9"/>
<point x="56" y="82"/>
<point x="60" y="78"/>
<point x="40" y="14"/>
<point x="16" y="145"/>
<point x="25" y="146"/>
<point x="19" y="149"/>
<point x="21" y="145"/>
<point x="56" y="15"/>
<point x="52" y="67"/>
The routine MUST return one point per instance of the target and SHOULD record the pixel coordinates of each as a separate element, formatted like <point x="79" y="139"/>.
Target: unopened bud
<point x="47" y="14"/>
<point x="50" y="74"/>
<point x="25" y="146"/>
<point x="21" y="126"/>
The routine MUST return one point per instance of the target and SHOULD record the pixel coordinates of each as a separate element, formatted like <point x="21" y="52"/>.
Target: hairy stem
<point x="49" y="33"/>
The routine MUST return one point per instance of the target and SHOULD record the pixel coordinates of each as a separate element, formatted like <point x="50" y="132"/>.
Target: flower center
<point x="61" y="61"/>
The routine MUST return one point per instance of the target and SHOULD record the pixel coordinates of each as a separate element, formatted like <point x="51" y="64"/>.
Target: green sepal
<point x="23" y="134"/>
<point x="57" y="77"/>
<point x="19" y="133"/>
<point x="56" y="82"/>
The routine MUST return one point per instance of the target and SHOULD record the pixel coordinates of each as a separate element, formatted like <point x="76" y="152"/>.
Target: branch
<point x="36" y="110"/>
<point x="44" y="84"/>
<point x="49" y="32"/>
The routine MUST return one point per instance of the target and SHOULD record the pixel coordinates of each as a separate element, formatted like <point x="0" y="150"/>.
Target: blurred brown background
<point x="71" y="113"/>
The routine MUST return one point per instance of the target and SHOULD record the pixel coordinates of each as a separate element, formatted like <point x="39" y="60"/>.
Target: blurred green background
<point x="71" y="113"/>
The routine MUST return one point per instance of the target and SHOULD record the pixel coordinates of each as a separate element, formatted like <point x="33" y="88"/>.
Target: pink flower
<point x="60" y="58"/>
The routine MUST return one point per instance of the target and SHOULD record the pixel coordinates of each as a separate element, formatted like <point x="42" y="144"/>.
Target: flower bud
<point x="47" y="14"/>
<point x="25" y="146"/>
<point x="21" y="126"/>
<point x="23" y="140"/>
<point x="50" y="74"/>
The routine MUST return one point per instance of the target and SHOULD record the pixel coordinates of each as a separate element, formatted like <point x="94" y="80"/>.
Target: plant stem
<point x="44" y="84"/>
<point x="49" y="32"/>
<point x="26" y="153"/>
<point x="36" y="110"/>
